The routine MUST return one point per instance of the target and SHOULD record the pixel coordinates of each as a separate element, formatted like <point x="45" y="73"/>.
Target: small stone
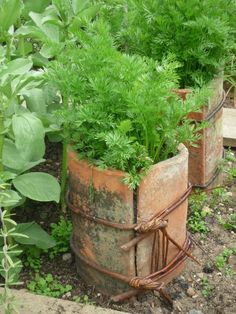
<point x="231" y="209"/>
<point x="207" y="209"/>
<point x="190" y="279"/>
<point x="176" y="306"/>
<point x="229" y="194"/>
<point x="193" y="311"/>
<point x="200" y="275"/>
<point x="67" y="295"/>
<point x="191" y="292"/>
<point x="194" y="296"/>
<point x="66" y="257"/>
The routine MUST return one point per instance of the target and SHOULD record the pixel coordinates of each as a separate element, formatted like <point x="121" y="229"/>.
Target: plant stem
<point x="5" y="264"/>
<point x="8" y="50"/>
<point x="64" y="163"/>
<point x="22" y="46"/>
<point x="1" y="140"/>
<point x="64" y="175"/>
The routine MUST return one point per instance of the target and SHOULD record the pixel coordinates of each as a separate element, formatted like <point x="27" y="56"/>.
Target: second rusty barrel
<point x="205" y="157"/>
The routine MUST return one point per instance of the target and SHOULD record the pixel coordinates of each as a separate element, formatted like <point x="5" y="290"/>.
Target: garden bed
<point x="204" y="288"/>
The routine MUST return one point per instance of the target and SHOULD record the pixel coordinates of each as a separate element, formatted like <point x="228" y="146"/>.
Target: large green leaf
<point x="79" y="5"/>
<point x="16" y="67"/>
<point x="29" y="136"/>
<point x="35" y="101"/>
<point x="35" y="6"/>
<point x="9" y="198"/>
<point x="42" y="100"/>
<point x="6" y="176"/>
<point x="50" y="31"/>
<point x="10" y="11"/>
<point x="23" y="83"/>
<point x="38" y="186"/>
<point x="39" y="60"/>
<point x="36" y="236"/>
<point x="12" y="158"/>
<point x="30" y="31"/>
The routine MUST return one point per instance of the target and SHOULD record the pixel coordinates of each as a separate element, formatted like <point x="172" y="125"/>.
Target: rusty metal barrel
<point x="205" y="157"/>
<point x="129" y="241"/>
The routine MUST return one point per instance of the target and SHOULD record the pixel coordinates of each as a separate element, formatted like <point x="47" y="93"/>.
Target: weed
<point x="47" y="285"/>
<point x="221" y="261"/>
<point x="207" y="288"/>
<point x="229" y="223"/>
<point x="61" y="234"/>
<point x="33" y="258"/>
<point x="196" y="222"/>
<point x="83" y="299"/>
<point x="231" y="173"/>
<point x="229" y="156"/>
<point x="226" y="165"/>
<point x="218" y="195"/>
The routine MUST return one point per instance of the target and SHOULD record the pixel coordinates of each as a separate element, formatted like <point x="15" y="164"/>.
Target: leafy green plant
<point x="32" y="258"/>
<point x="229" y="223"/>
<point x="206" y="287"/>
<point x="61" y="233"/>
<point x="53" y="29"/>
<point x="10" y="263"/>
<point x="218" y="195"/>
<point x="229" y="155"/>
<point x="21" y="148"/>
<point x="83" y="299"/>
<point x="47" y="285"/>
<point x="221" y="260"/>
<point x="57" y="24"/>
<point x="123" y="114"/>
<point x="22" y="135"/>
<point x="21" y="138"/>
<point x="199" y="34"/>
<point x="231" y="173"/>
<point x="196" y="221"/>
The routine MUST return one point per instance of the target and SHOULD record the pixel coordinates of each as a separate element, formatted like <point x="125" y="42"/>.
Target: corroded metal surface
<point x="205" y="158"/>
<point x="101" y="193"/>
<point x="99" y="243"/>
<point x="165" y="182"/>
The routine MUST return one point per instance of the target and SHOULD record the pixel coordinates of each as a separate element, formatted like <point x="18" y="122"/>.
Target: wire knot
<point x="151" y="225"/>
<point x="145" y="283"/>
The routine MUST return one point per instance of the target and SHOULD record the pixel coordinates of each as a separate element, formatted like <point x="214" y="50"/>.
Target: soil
<point x="186" y="291"/>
